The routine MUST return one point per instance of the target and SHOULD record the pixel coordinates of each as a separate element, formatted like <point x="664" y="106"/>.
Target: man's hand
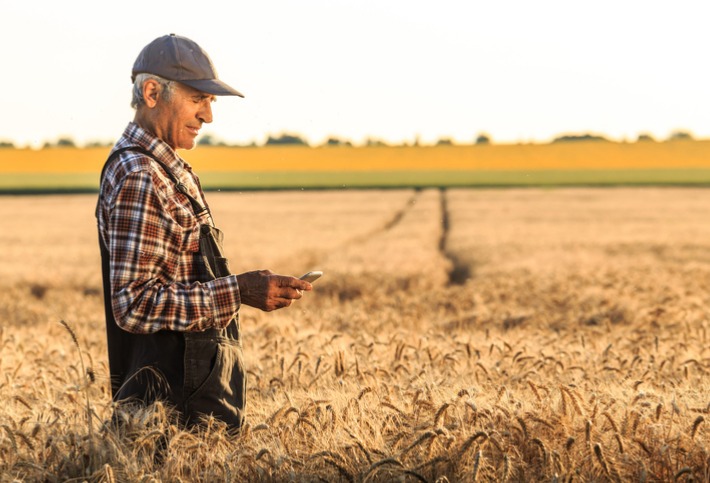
<point x="268" y="291"/>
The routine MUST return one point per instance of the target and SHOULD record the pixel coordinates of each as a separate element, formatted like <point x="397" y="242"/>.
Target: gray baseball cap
<point x="180" y="59"/>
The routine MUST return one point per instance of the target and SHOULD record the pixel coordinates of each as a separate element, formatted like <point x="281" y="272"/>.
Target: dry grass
<point x="466" y="335"/>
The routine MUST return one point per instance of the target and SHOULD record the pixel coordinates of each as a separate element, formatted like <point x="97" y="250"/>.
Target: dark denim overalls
<point x="198" y="373"/>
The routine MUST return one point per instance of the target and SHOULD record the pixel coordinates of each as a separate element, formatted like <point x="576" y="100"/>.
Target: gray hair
<point x="166" y="88"/>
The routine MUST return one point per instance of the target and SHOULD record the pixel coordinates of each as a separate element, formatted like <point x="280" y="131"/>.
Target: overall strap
<point x="179" y="186"/>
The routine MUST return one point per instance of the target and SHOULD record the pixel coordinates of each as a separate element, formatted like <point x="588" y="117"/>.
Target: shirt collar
<point x="136" y="135"/>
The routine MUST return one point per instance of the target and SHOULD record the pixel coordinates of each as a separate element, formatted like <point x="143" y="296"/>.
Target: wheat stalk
<point x="523" y="426"/>
<point x="362" y="448"/>
<point x="643" y="446"/>
<point x="543" y="450"/>
<point x="22" y="401"/>
<point x="696" y="424"/>
<point x="11" y="436"/>
<point x="467" y="444"/>
<point x="600" y="457"/>
<point x="569" y="443"/>
<point x="506" y="468"/>
<point x="25" y="439"/>
<point x="382" y="462"/>
<point x="341" y="469"/>
<point x="440" y="414"/>
<point x="83" y="371"/>
<point x="563" y="403"/>
<point x="364" y="391"/>
<point x="427" y="435"/>
<point x="619" y="442"/>
<point x="573" y="398"/>
<point x="611" y="421"/>
<point x="476" y="465"/>
<point x="683" y="471"/>
<point x="415" y="475"/>
<point x="108" y="475"/>
<point x="535" y="391"/>
<point x="262" y="452"/>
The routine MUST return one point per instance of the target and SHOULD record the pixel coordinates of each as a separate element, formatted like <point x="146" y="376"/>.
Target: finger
<point x="302" y="285"/>
<point x="281" y="300"/>
<point x="293" y="282"/>
<point x="287" y="293"/>
<point x="293" y="293"/>
<point x="283" y="303"/>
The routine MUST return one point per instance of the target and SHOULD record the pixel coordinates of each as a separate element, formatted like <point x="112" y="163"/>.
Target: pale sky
<point x="519" y="71"/>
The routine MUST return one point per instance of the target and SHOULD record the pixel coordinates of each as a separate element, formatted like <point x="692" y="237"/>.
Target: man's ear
<point x="151" y="92"/>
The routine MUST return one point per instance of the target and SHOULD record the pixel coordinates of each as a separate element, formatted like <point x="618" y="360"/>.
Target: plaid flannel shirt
<point x="153" y="239"/>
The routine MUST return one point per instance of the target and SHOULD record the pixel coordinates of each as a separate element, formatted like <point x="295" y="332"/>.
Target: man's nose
<point x="205" y="114"/>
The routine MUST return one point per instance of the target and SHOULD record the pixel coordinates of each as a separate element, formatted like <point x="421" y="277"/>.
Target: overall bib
<point x="198" y="373"/>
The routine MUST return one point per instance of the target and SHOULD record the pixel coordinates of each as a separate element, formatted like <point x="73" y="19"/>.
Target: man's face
<point x="178" y="120"/>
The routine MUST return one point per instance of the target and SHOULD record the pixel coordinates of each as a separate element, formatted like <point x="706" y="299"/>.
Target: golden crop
<point x="557" y="156"/>
<point x="457" y="335"/>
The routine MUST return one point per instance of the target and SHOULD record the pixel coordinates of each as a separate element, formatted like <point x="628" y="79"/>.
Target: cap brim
<point x="212" y="86"/>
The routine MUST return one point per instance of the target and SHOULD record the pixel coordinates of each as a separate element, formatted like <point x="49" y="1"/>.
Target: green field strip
<point x="502" y="178"/>
<point x="229" y="181"/>
<point x="49" y="183"/>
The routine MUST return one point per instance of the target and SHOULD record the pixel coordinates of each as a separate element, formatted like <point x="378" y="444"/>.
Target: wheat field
<point x="581" y="163"/>
<point x="571" y="155"/>
<point x="457" y="335"/>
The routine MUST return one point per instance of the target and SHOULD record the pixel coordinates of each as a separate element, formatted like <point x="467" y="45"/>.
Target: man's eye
<point x="199" y="99"/>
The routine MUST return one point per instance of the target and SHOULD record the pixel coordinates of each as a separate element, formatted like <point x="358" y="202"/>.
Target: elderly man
<point x="171" y="303"/>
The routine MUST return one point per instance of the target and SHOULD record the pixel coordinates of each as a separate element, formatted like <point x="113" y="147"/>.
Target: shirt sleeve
<point x="145" y="244"/>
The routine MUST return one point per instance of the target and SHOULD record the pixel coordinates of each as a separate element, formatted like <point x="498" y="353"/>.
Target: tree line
<point x="290" y="139"/>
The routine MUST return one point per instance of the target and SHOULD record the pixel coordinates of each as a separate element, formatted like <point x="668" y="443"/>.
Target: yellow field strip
<point x="558" y="156"/>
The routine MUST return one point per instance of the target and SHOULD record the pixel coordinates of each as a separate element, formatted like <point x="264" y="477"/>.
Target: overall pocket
<point x="211" y="250"/>
<point x="215" y="379"/>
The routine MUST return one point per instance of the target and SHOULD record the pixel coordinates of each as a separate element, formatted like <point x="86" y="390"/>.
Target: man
<point x="171" y="303"/>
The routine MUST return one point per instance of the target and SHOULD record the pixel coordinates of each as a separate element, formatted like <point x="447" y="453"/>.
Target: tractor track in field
<point x="390" y="224"/>
<point x="403" y="211"/>
<point x="459" y="272"/>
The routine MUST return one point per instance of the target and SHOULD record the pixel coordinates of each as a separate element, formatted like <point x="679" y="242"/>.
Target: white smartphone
<point x="311" y="277"/>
